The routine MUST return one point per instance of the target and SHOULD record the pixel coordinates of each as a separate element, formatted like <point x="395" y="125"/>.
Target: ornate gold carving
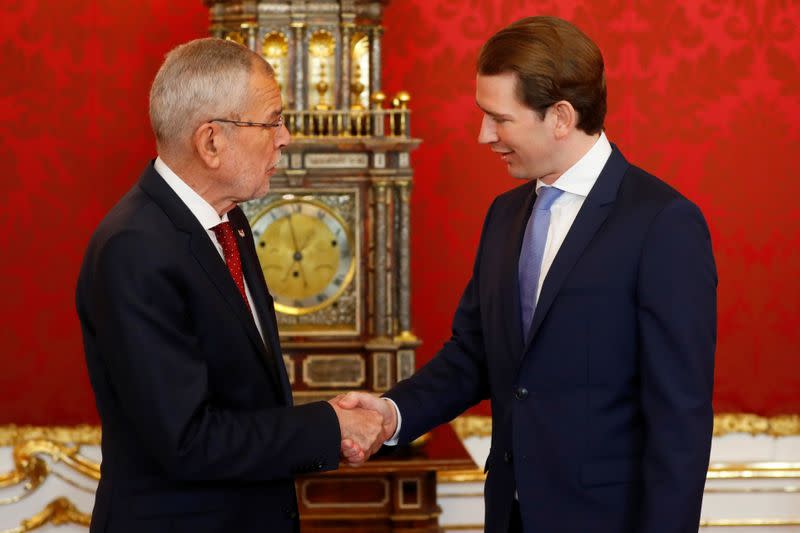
<point x="776" y="426"/>
<point x="724" y="423"/>
<point x="402" y="98"/>
<point x="275" y="45"/>
<point x="59" y="511"/>
<point x="82" y="434"/>
<point x="32" y="470"/>
<point x="755" y="470"/>
<point x="378" y="98"/>
<point x="467" y="426"/>
<point x="321" y="44"/>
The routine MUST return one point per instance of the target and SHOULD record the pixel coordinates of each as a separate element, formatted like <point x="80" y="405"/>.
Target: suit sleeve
<point x="456" y="378"/>
<point x="149" y="349"/>
<point x="677" y="335"/>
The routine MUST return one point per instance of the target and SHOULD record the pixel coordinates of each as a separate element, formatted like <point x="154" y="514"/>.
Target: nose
<point x="488" y="133"/>
<point x="282" y="137"/>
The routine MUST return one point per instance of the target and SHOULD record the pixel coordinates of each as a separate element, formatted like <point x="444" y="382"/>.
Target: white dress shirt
<point x="576" y="183"/>
<point x="206" y="215"/>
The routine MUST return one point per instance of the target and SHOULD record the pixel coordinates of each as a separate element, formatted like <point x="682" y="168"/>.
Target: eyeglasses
<point x="245" y="124"/>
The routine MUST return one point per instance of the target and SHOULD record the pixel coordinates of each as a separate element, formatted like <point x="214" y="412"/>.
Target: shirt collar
<point x="202" y="210"/>
<point x="580" y="177"/>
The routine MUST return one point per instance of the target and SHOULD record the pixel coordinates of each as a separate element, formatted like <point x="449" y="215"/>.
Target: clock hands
<point x="294" y="237"/>
<point x="297" y="258"/>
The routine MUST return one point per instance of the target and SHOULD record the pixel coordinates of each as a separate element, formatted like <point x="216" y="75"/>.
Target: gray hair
<point x="200" y="80"/>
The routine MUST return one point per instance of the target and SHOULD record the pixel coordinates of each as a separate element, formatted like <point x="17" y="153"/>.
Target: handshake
<point x="366" y="422"/>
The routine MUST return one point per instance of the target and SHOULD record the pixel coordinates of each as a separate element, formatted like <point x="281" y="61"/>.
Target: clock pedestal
<point x="388" y="494"/>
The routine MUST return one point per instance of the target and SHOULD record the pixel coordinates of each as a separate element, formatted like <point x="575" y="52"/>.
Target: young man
<point x="590" y="317"/>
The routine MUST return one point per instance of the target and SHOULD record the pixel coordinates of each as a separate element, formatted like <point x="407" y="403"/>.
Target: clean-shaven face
<point x="512" y="130"/>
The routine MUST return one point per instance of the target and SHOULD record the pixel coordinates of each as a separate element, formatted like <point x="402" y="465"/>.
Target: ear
<point x="566" y="118"/>
<point x="209" y="142"/>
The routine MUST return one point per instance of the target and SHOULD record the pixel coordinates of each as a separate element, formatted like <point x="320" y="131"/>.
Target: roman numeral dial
<point x="306" y="253"/>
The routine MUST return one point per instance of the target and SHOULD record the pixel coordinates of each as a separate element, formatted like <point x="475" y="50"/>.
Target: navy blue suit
<point x="602" y="417"/>
<point x="199" y="432"/>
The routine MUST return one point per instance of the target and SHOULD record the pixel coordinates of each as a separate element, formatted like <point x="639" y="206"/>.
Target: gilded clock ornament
<point x="306" y="252"/>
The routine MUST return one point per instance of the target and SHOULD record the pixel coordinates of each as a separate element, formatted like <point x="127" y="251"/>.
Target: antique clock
<point x="307" y="251"/>
<point x="333" y="233"/>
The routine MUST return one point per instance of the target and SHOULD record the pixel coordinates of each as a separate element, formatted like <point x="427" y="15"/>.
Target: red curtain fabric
<point x="704" y="94"/>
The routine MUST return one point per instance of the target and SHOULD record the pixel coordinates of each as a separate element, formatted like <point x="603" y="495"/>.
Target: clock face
<point x="306" y="252"/>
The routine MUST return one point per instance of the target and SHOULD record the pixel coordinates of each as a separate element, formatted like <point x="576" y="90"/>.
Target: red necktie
<point x="230" y="250"/>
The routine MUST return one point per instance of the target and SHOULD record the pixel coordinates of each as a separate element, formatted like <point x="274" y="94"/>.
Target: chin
<point x="518" y="173"/>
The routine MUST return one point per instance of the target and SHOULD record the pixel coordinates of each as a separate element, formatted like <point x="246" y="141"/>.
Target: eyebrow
<point x="492" y="113"/>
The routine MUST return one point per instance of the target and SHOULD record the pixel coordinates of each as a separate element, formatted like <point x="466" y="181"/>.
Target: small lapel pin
<point x="241" y="233"/>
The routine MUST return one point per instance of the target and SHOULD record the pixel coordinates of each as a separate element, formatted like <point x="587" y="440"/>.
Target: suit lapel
<point x="513" y="320"/>
<point x="254" y="276"/>
<point x="591" y="216"/>
<point x="207" y="256"/>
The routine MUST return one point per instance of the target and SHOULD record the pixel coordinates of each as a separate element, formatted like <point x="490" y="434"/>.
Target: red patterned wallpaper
<point x="705" y="94"/>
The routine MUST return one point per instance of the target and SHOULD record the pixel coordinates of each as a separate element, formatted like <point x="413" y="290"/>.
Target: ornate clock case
<point x="333" y="233"/>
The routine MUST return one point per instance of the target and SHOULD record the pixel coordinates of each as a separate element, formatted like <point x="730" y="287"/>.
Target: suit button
<point x="320" y="465"/>
<point x="521" y="393"/>
<point x="508" y="457"/>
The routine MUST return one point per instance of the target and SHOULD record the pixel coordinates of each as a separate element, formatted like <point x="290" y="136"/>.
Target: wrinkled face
<point x="256" y="150"/>
<point x="515" y="132"/>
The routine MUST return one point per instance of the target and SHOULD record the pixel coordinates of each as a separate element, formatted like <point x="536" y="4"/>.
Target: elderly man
<point x="590" y="318"/>
<point x="199" y="431"/>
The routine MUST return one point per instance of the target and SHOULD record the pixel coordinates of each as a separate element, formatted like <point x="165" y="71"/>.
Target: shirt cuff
<point x="393" y="440"/>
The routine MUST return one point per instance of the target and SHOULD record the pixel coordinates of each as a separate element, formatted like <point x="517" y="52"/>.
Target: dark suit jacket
<point x="199" y="432"/>
<point x="602" y="417"/>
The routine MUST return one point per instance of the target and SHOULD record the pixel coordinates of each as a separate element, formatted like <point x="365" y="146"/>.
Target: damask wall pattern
<point x="704" y="94"/>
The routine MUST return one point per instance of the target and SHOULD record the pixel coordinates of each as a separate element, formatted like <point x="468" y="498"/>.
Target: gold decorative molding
<point x="754" y="470"/>
<point x="31" y="470"/>
<point x="467" y="426"/>
<point x="724" y="423"/>
<point x="475" y="475"/>
<point x="59" y="511"/>
<point x="775" y="426"/>
<point x="82" y="434"/>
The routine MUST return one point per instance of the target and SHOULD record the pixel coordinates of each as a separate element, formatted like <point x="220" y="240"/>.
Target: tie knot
<point x="223" y="230"/>
<point x="545" y="197"/>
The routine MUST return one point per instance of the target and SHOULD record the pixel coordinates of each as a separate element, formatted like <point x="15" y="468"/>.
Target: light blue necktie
<point x="530" y="258"/>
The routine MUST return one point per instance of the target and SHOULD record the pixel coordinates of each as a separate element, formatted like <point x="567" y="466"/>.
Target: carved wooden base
<point x="394" y="493"/>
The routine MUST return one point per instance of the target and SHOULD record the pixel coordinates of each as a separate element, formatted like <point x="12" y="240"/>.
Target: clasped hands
<point x="366" y="422"/>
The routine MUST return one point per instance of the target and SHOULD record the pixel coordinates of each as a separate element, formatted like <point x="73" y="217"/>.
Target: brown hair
<point x="553" y="61"/>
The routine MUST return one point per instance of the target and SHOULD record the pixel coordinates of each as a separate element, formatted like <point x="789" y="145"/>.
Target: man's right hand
<point x="362" y="431"/>
<point x="352" y="451"/>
